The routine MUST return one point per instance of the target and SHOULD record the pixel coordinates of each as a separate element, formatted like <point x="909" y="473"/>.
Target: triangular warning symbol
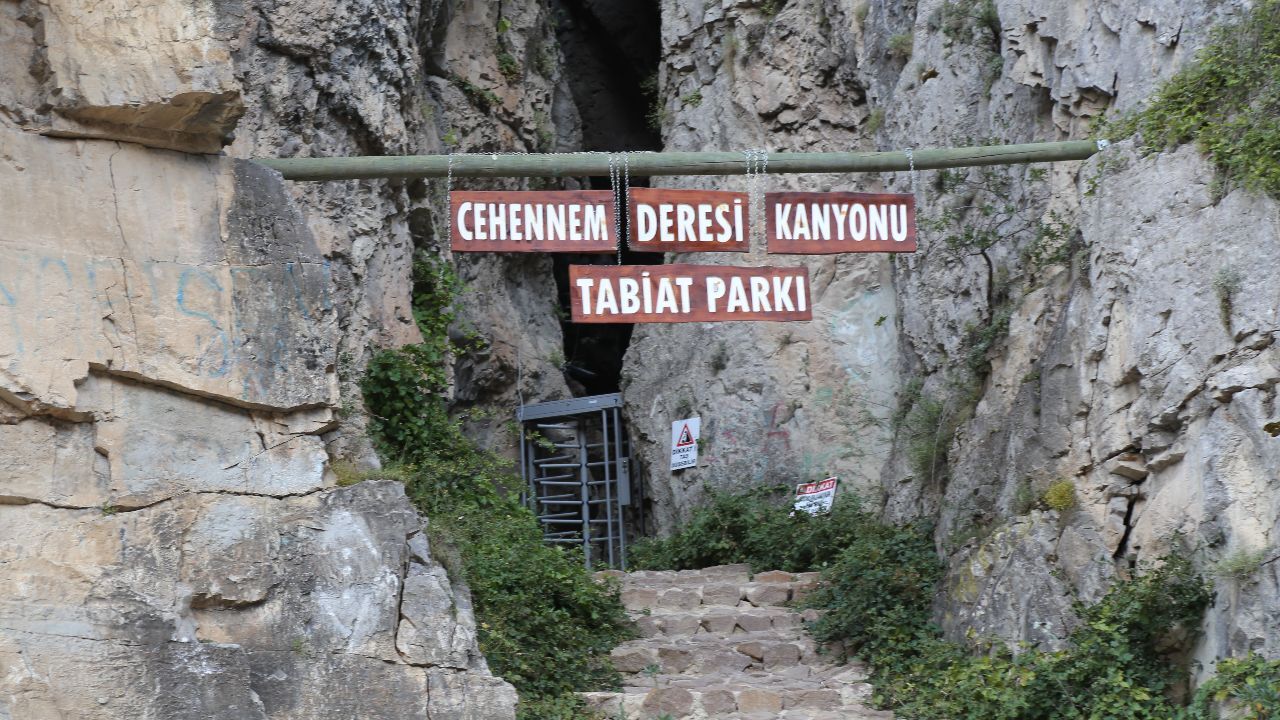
<point x="686" y="437"/>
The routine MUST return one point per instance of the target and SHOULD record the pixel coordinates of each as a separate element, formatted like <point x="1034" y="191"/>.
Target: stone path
<point x="719" y="643"/>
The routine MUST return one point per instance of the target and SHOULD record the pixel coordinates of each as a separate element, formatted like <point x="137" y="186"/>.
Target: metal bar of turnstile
<point x="621" y="472"/>
<point x="576" y="474"/>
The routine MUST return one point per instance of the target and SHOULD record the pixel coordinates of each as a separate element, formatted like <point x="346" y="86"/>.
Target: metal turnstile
<point x="575" y="463"/>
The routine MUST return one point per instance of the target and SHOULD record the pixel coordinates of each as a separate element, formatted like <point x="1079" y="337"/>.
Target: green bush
<point x="757" y="528"/>
<point x="876" y="600"/>
<point x="877" y="603"/>
<point x="543" y="623"/>
<point x="1250" y="686"/>
<point x="1227" y="101"/>
<point x="1060" y="495"/>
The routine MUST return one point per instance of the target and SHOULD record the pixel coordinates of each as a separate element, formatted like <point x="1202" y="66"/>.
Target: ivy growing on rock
<point x="545" y="625"/>
<point x="1227" y="102"/>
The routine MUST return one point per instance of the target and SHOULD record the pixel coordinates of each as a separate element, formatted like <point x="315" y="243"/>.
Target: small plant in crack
<point x="1226" y="285"/>
<point x="1241" y="564"/>
<point x="1060" y="495"/>
<point x="651" y="671"/>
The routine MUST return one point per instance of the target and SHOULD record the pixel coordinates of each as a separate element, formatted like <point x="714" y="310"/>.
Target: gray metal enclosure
<point x="575" y="462"/>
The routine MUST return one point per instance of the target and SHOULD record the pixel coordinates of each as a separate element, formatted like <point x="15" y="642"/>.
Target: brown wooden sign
<point x="815" y="223"/>
<point x="688" y="221"/>
<point x="515" y="221"/>
<point x="687" y="293"/>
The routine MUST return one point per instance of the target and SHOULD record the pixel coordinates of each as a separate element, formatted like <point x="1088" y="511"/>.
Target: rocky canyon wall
<point x="1114" y="365"/>
<point x="180" y="337"/>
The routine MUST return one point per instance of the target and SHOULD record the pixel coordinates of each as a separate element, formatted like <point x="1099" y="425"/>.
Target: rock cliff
<point x="1117" y="333"/>
<point x="181" y="331"/>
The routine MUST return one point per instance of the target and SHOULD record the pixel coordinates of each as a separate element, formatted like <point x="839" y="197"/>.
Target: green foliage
<point x="981" y="339"/>
<point x="900" y="45"/>
<point x="1248" y="686"/>
<point x="1226" y="285"/>
<point x="756" y="528"/>
<point x="348" y="474"/>
<point x="877" y="602"/>
<point x="971" y="22"/>
<point x="544" y="624"/>
<point x="692" y="99"/>
<point x="482" y="98"/>
<point x="928" y="428"/>
<point x="1060" y="495"/>
<point x="1241" y="564"/>
<point x="508" y="66"/>
<point x="876" y="596"/>
<point x="772" y="7"/>
<point x="503" y="25"/>
<point x="875" y="120"/>
<point x="547" y="59"/>
<point x="1054" y="242"/>
<point x="1227" y="102"/>
<point x="658" y="115"/>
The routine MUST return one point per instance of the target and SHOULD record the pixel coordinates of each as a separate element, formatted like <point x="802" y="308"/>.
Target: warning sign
<point x="816" y="498"/>
<point x="684" y="443"/>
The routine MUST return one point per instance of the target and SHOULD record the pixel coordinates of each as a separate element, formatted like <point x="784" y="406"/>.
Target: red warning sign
<point x="684" y="443"/>
<point x="686" y="437"/>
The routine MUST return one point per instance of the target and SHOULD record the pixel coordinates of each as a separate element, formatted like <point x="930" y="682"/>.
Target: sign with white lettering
<point x="816" y="498"/>
<point x="688" y="220"/>
<point x="684" y="443"/>
<point x="814" y="223"/>
<point x="513" y="221"/>
<point x="687" y="293"/>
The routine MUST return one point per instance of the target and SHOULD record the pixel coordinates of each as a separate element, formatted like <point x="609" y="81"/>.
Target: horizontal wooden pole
<point x="646" y="164"/>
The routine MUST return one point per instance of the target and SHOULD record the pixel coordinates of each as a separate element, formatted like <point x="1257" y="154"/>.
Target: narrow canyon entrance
<point x="613" y="48"/>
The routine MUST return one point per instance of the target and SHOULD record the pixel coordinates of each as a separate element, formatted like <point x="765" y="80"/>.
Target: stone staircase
<point x="720" y="643"/>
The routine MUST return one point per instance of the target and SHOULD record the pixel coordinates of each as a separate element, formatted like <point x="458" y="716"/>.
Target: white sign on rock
<point x="684" y="443"/>
<point x="816" y="498"/>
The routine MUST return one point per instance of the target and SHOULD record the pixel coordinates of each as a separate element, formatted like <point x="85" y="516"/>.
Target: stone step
<point x="736" y="700"/>
<point x="766" y="589"/>
<point x="707" y="653"/>
<point x="722" y="643"/>
<point x="724" y="621"/>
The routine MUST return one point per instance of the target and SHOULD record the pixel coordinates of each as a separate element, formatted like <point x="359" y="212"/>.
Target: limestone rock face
<point x="181" y="335"/>
<point x="221" y="605"/>
<point x="157" y="72"/>
<point x="1138" y="363"/>
<point x="780" y="403"/>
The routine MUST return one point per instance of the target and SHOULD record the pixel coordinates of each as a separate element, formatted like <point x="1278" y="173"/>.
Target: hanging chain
<point x="448" y="201"/>
<point x="626" y="204"/>
<point x="757" y="164"/>
<point x="615" y="174"/>
<point x="760" y="171"/>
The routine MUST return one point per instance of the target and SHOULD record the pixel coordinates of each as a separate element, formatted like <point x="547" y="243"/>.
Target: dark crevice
<point x="1123" y="548"/>
<point x="612" y="47"/>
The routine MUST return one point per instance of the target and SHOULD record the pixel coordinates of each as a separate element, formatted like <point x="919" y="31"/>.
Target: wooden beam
<point x="645" y="164"/>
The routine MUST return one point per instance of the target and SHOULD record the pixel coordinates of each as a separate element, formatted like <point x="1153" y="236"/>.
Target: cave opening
<point x="611" y="49"/>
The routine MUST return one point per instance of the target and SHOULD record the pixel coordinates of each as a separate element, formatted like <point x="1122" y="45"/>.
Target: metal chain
<point x="757" y="164"/>
<point x="626" y="203"/>
<point x="614" y="174"/>
<point x="448" y="202"/>
<point x="759" y="181"/>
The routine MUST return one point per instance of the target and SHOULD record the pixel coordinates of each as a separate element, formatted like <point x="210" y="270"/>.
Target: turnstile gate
<point x="575" y="463"/>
